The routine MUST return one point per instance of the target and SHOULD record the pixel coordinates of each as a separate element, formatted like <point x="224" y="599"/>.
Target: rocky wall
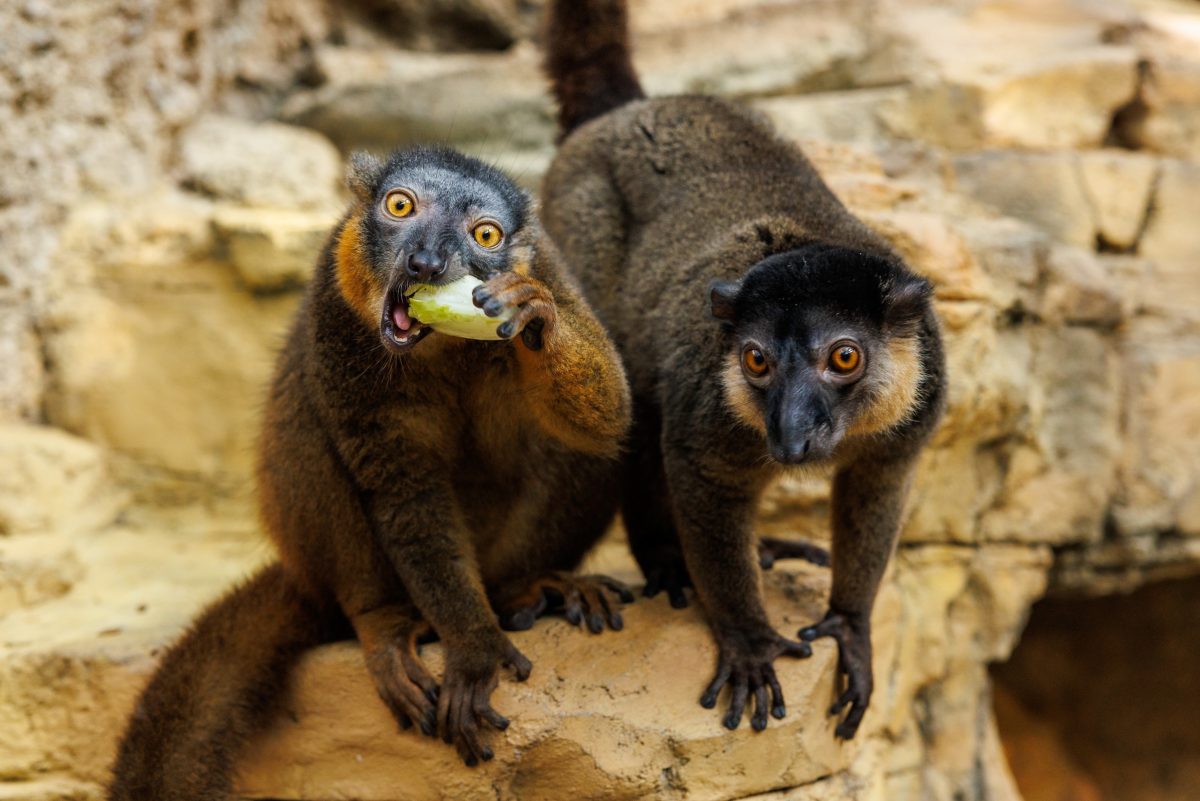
<point x="175" y="166"/>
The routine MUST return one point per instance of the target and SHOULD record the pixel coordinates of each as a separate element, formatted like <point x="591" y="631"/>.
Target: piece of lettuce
<point x="448" y="308"/>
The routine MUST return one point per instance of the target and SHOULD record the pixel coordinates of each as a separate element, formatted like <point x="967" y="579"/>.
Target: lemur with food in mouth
<point x="413" y="482"/>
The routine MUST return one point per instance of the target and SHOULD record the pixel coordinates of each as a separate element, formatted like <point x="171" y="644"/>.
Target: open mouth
<point x="400" y="330"/>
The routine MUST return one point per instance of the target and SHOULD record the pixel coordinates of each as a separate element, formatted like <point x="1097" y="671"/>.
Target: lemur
<point x="764" y="329"/>
<point x="411" y="481"/>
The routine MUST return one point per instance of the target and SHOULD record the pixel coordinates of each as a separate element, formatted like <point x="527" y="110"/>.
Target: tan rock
<point x="1061" y="99"/>
<point x="854" y="117"/>
<point x="1118" y="186"/>
<point x="261" y="164"/>
<point x="272" y="249"/>
<point x="1172" y="125"/>
<point x="1170" y="236"/>
<point x="933" y="248"/>
<point x="1043" y="189"/>
<point x="381" y="99"/>
<point x="52" y="481"/>
<point x="1079" y="290"/>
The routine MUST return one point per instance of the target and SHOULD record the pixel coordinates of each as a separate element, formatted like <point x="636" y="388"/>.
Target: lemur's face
<point x="431" y="217"/>
<point x="822" y="345"/>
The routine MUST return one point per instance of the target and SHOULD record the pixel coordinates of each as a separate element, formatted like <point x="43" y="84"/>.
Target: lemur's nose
<point x="425" y="265"/>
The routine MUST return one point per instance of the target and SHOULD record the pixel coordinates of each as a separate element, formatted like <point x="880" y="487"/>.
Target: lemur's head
<point x="427" y="215"/>
<point x="822" y="345"/>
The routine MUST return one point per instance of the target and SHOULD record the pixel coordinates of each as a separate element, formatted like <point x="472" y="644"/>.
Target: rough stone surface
<point x="157" y="230"/>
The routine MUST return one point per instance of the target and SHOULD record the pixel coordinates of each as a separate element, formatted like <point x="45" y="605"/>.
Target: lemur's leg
<point x="564" y="515"/>
<point x="646" y="510"/>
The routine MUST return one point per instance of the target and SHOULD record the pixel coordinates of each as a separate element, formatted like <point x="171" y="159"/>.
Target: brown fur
<point x="426" y="491"/>
<point x="652" y="201"/>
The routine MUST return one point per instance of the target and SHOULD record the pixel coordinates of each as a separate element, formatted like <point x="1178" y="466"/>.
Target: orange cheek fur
<point x="739" y="397"/>
<point x="355" y="279"/>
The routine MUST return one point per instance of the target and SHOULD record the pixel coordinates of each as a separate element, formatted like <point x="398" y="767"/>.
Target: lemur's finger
<point x="778" y="708"/>
<point x="759" y="720"/>
<point x="709" y="699"/>
<point x="737" y="704"/>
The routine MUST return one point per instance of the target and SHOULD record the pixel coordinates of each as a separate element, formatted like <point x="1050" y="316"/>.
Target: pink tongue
<point x="400" y="317"/>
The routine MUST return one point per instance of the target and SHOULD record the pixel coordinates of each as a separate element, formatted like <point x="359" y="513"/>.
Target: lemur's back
<point x="639" y="196"/>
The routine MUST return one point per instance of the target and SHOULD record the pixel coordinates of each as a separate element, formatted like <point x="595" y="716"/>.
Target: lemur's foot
<point x="580" y="598"/>
<point x="465" y="702"/>
<point x="746" y="664"/>
<point x="770" y="550"/>
<point x="535" y="315"/>
<point x="408" y="689"/>
<point x="667" y="573"/>
<point x="853" y="635"/>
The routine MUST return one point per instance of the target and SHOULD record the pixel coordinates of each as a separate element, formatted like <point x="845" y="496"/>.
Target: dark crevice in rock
<point x="1098" y="700"/>
<point x="1125" y="130"/>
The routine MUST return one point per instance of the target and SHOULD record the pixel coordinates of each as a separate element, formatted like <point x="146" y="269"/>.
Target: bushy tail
<point x="214" y="689"/>
<point x="587" y="58"/>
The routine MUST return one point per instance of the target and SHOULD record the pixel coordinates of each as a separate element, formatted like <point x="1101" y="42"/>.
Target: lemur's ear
<point x="362" y="173"/>
<point x="722" y="295"/>
<point x="905" y="302"/>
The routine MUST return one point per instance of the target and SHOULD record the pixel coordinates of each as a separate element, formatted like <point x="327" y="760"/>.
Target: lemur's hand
<point x="853" y="635"/>
<point x="746" y="664"/>
<point x="465" y="701"/>
<point x="535" y="317"/>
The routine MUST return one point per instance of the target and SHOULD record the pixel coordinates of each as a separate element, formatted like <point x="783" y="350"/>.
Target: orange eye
<point x="488" y="235"/>
<point x="845" y="358"/>
<point x="399" y="203"/>
<point x="754" y="362"/>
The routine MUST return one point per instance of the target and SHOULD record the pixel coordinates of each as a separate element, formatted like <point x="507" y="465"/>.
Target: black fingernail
<point x="505" y="330"/>
<point x="471" y="761"/>
<point x="493" y="308"/>
<point x="708" y="701"/>
<point x="426" y="729"/>
<point x="779" y="711"/>
<point x="479" y="296"/>
<point x="432" y="695"/>
<point x="595" y="624"/>
<point x="502" y="724"/>
<point x="487" y="755"/>
<point x="809" y="634"/>
<point x="574" y="616"/>
<point x="679" y="600"/>
<point x="615" y="622"/>
<point x="757" y="723"/>
<point x="731" y="722"/>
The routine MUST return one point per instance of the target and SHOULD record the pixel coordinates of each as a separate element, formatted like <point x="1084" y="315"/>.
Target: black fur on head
<point x="448" y="197"/>
<point x="797" y="316"/>
<point x="452" y="192"/>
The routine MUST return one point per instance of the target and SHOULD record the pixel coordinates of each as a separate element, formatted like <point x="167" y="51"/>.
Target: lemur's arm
<point x="571" y="372"/>
<point x="714" y="519"/>
<point x="868" y="499"/>
<point x="419" y="528"/>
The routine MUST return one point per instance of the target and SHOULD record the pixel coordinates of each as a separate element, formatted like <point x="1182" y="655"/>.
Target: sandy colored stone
<point x="260" y="164"/>
<point x="1118" y="186"/>
<point x="52" y="481"/>
<point x="1173" y="123"/>
<point x="272" y="249"/>
<point x="1041" y="188"/>
<point x="1171" y="237"/>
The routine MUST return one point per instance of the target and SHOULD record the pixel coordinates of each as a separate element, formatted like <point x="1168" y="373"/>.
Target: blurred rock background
<point x="171" y="168"/>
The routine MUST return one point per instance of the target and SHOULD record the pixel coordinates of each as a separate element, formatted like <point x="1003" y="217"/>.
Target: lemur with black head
<point x="824" y="351"/>
<point x="411" y="481"/>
